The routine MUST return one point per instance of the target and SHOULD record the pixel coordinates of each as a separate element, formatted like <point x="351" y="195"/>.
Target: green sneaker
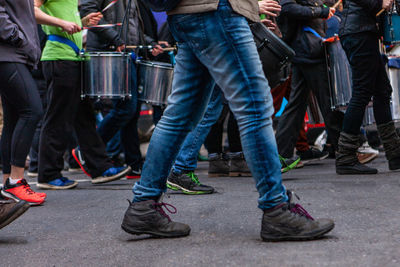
<point x="188" y="183"/>
<point x="289" y="164"/>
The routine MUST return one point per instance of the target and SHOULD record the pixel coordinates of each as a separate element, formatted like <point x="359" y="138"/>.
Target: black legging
<point x="22" y="110"/>
<point x="369" y="80"/>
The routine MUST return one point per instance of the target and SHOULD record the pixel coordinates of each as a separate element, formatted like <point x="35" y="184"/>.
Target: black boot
<point x="346" y="156"/>
<point x="148" y="217"/>
<point x="391" y="144"/>
<point x="218" y="165"/>
<point x="238" y="166"/>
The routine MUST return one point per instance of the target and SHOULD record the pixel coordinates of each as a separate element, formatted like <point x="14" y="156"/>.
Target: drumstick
<point x="149" y="47"/>
<point x="380" y="12"/>
<point x="109" y="5"/>
<point x="336" y="4"/>
<point x="102" y="26"/>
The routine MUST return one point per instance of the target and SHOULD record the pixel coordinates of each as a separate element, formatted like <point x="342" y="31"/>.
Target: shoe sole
<point x="74" y="169"/>
<point x="16" y="199"/>
<point x="156" y="234"/>
<point x="53" y="187"/>
<point x="240" y="174"/>
<point x="353" y="172"/>
<point x="213" y="175"/>
<point x="176" y="187"/>
<point x="17" y="211"/>
<point x="305" y="162"/>
<point x="367" y="160"/>
<point x="79" y="162"/>
<point x="133" y="176"/>
<point x="311" y="236"/>
<point x="111" y="178"/>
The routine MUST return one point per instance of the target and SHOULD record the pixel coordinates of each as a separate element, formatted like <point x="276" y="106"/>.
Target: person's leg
<point x="292" y="117"/>
<point x="22" y="111"/>
<point x="34" y="151"/>
<point x="58" y="119"/>
<point x="229" y="54"/>
<point x="218" y="161"/>
<point x="214" y="138"/>
<point x="302" y="142"/>
<point x="237" y="162"/>
<point x="186" y="160"/>
<point x="187" y="103"/>
<point x="383" y="116"/>
<point x="363" y="53"/>
<point x="130" y="140"/>
<point x="182" y="176"/>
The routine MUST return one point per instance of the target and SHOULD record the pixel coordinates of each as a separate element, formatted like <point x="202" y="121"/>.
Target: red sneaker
<point x="21" y="191"/>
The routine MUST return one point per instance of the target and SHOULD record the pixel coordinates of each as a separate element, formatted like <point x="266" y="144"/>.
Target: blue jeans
<point x="123" y="118"/>
<point x="187" y="157"/>
<point x="216" y="46"/>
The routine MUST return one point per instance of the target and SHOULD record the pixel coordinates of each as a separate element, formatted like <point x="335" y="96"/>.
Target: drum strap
<point x="60" y="39"/>
<point x="308" y="29"/>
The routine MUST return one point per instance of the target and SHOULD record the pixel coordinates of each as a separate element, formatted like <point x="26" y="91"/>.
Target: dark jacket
<point x="149" y="22"/>
<point x="311" y="13"/>
<point x="19" y="41"/>
<point x="104" y="39"/>
<point x="360" y="16"/>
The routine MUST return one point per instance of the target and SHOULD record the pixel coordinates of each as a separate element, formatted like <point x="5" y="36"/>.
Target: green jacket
<point x="246" y="8"/>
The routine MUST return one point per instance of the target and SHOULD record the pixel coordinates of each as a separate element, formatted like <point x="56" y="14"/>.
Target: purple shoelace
<point x="159" y="207"/>
<point x="298" y="209"/>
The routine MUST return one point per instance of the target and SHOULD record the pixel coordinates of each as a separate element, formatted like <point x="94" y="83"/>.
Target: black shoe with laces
<point x="188" y="183"/>
<point x="312" y="155"/>
<point x="291" y="222"/>
<point x="149" y="217"/>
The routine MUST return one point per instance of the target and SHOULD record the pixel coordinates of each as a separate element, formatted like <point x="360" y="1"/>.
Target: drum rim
<point x="105" y="53"/>
<point x="163" y="65"/>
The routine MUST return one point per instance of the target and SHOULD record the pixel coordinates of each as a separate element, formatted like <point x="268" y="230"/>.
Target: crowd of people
<point x="219" y="74"/>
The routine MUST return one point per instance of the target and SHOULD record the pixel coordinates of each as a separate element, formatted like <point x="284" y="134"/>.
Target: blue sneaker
<point x="61" y="183"/>
<point x="112" y="174"/>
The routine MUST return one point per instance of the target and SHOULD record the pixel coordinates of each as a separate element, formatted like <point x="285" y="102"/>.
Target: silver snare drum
<point x="106" y="75"/>
<point x="395" y="81"/>
<point x="155" y="82"/>
<point x="339" y="75"/>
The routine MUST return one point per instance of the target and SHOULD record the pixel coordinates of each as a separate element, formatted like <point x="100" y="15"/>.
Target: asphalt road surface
<point x="81" y="227"/>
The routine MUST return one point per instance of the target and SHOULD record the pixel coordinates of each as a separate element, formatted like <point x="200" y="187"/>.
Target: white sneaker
<point x="321" y="141"/>
<point x="367" y="149"/>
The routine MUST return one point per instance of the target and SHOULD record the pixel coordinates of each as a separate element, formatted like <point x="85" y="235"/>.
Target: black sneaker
<point x="149" y="217"/>
<point x="288" y="164"/>
<point x="356" y="168"/>
<point x="188" y="183"/>
<point x="312" y="155"/>
<point x="291" y="222"/>
<point x="135" y="173"/>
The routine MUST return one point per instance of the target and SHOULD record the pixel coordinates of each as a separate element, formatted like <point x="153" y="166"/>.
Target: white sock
<point x="13" y="181"/>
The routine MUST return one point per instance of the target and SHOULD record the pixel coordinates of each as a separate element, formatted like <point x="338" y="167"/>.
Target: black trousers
<point x="214" y="138"/>
<point x="65" y="113"/>
<point x="22" y="110"/>
<point x="306" y="77"/>
<point x="370" y="80"/>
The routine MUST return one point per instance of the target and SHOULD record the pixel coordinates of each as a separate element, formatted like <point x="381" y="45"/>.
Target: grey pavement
<point x="82" y="227"/>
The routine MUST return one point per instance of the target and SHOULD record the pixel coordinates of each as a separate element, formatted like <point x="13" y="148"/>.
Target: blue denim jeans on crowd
<point x="216" y="46"/>
<point x="187" y="158"/>
<point x="121" y="123"/>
